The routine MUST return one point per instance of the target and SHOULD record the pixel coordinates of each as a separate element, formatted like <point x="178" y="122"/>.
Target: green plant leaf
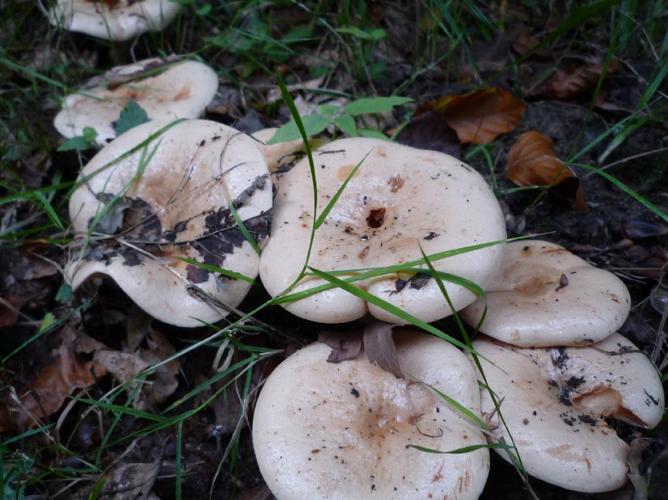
<point x="64" y="293"/>
<point x="80" y="142"/>
<point x="367" y="105"/>
<point x="131" y="116"/>
<point x="313" y="125"/>
<point x="373" y="35"/>
<point x="347" y="124"/>
<point x="373" y="134"/>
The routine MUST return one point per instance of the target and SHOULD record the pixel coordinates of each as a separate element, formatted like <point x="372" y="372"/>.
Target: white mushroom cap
<point x="544" y="296"/>
<point x="179" y="207"/>
<point x="400" y="198"/>
<point x="165" y="88"/>
<point x="118" y="20"/>
<point x="340" y="431"/>
<point x="552" y="401"/>
<point x="276" y="155"/>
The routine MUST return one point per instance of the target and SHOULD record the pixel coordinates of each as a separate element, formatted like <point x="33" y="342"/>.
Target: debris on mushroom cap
<point x="118" y="20"/>
<point x="342" y="430"/>
<point x="156" y="197"/>
<point x="400" y="198"/>
<point x="166" y="88"/>
<point x="278" y="156"/>
<point x="553" y="401"/>
<point x="544" y="296"/>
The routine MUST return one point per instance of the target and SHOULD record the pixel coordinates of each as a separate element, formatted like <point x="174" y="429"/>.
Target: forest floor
<point x="590" y="76"/>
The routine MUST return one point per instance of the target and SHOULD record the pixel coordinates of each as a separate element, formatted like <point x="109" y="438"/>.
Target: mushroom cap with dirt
<point x="164" y="191"/>
<point x="166" y="89"/>
<point x="554" y="401"/>
<point x="400" y="198"/>
<point x="344" y="430"/>
<point x="545" y="296"/>
<point x="118" y="20"/>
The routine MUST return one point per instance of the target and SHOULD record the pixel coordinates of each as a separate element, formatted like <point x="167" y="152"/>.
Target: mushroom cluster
<point x="176" y="211"/>
<point x="551" y="354"/>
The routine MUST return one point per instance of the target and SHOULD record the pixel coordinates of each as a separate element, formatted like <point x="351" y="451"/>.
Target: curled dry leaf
<point x="131" y="480"/>
<point x="532" y="161"/>
<point x="380" y="348"/>
<point x="52" y="385"/>
<point x="572" y="81"/>
<point x="481" y="116"/>
<point x="345" y="345"/>
<point x="145" y="346"/>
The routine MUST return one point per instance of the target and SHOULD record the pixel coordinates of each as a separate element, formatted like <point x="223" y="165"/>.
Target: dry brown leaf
<point x="481" y="116"/>
<point x="532" y="161"/>
<point x="130" y="480"/>
<point x="164" y="379"/>
<point x="53" y="384"/>
<point x="380" y="349"/>
<point x="10" y="305"/>
<point x="571" y="81"/>
<point x="345" y="345"/>
<point x="122" y="365"/>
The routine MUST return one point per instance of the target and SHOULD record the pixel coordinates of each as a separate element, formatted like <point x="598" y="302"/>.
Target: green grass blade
<point x="459" y="451"/>
<point x="325" y="212"/>
<point x="219" y="270"/>
<point x="390" y="308"/>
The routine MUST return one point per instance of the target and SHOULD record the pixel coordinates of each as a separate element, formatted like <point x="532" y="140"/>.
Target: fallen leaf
<point x="532" y="161"/>
<point x="130" y="480"/>
<point x="164" y="380"/>
<point x="380" y="349"/>
<point x="10" y="305"/>
<point x="122" y="365"/>
<point x="481" y="116"/>
<point x="52" y="385"/>
<point x="571" y="81"/>
<point x="344" y="345"/>
<point x="431" y="131"/>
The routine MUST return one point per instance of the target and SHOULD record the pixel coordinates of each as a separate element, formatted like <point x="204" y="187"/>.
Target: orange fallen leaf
<point x="481" y="116"/>
<point x="532" y="161"/>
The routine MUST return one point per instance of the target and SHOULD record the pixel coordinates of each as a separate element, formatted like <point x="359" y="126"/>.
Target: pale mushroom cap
<point x="544" y="296"/>
<point x="399" y="198"/>
<point x="276" y="155"/>
<point x="340" y="431"/>
<point x="179" y="207"/>
<point x="118" y="20"/>
<point x="174" y="89"/>
<point x="553" y="400"/>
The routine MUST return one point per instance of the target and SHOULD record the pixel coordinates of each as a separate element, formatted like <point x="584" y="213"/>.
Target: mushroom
<point x="166" y="88"/>
<point x="118" y="20"/>
<point x="162" y="192"/>
<point x="545" y="296"/>
<point x="553" y="401"/>
<point x="345" y="430"/>
<point x="278" y="156"/>
<point x="399" y="198"/>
